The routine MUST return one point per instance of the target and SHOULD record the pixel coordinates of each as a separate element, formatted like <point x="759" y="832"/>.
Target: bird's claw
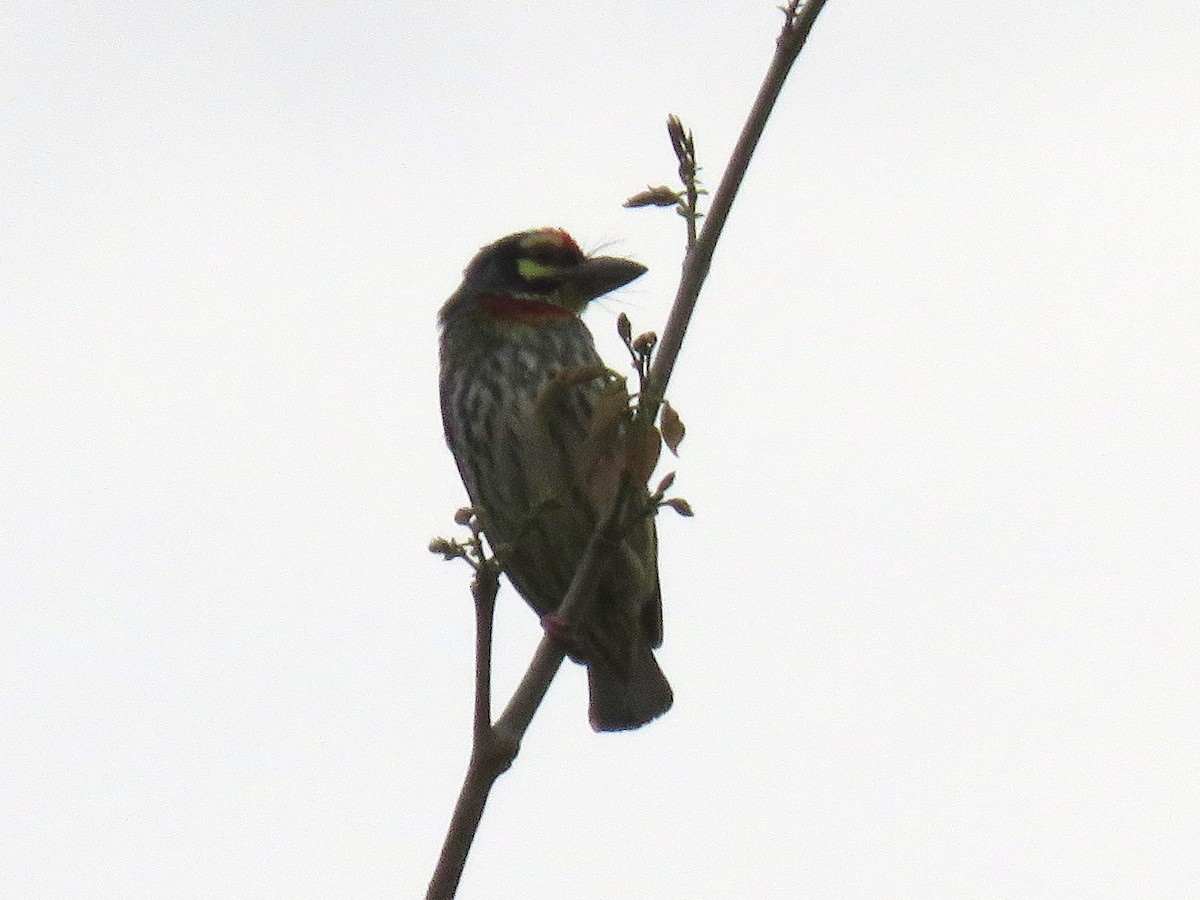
<point x="558" y="628"/>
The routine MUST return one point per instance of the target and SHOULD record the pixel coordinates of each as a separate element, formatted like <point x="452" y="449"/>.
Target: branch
<point x="491" y="755"/>
<point x="495" y="746"/>
<point x="798" y="23"/>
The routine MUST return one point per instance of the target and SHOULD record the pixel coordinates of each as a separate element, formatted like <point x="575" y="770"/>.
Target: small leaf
<point x="680" y="506"/>
<point x="463" y="516"/>
<point x="673" y="429"/>
<point x="643" y="444"/>
<point x="665" y="484"/>
<point x="624" y="329"/>
<point x="610" y="410"/>
<point x="572" y="376"/>
<point x="600" y="459"/>
<point x="575" y="375"/>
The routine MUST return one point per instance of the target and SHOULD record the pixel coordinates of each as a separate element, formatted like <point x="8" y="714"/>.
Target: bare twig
<point x="491" y="754"/>
<point x="798" y="22"/>
<point x="684" y="145"/>
<point x="495" y="746"/>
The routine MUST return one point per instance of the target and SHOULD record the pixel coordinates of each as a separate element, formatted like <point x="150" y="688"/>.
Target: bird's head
<point x="534" y="277"/>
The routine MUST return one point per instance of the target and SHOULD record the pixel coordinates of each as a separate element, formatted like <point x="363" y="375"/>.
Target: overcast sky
<point x="935" y="629"/>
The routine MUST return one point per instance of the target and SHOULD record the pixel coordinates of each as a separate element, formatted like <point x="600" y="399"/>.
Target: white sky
<point x="934" y="632"/>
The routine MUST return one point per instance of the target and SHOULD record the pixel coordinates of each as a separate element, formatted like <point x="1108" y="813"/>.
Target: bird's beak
<point x="598" y="275"/>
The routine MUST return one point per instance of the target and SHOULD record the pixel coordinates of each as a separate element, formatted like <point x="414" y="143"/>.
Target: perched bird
<point x="520" y="379"/>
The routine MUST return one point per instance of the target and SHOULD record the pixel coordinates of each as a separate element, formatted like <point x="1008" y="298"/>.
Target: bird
<point x="520" y="381"/>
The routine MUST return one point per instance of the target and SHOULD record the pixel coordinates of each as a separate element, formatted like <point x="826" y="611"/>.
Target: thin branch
<point x="494" y="747"/>
<point x="684" y="144"/>
<point x="491" y="755"/>
<point x="484" y="589"/>
<point x="798" y="23"/>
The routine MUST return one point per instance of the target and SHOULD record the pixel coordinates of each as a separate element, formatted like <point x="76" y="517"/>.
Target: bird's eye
<point x="549" y="255"/>
<point x="540" y="284"/>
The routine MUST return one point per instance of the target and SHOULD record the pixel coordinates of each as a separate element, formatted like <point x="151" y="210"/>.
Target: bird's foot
<point x="564" y="633"/>
<point x="558" y="628"/>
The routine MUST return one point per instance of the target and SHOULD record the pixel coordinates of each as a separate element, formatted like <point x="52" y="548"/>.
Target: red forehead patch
<point x="555" y="236"/>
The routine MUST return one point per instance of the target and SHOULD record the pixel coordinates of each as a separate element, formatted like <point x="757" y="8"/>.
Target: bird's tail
<point x="629" y="697"/>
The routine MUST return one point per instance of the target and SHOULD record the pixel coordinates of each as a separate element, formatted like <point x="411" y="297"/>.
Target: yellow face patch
<point x="530" y="270"/>
<point x="545" y="259"/>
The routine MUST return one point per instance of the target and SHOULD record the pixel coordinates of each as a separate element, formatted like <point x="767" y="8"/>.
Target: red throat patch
<point x="521" y="310"/>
